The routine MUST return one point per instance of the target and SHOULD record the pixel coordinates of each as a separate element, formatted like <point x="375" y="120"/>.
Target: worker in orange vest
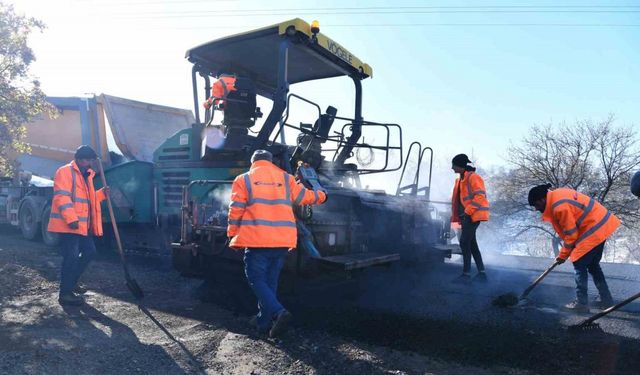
<point x="469" y="207"/>
<point x="262" y="222"/>
<point x="76" y="215"/>
<point x="584" y="225"/>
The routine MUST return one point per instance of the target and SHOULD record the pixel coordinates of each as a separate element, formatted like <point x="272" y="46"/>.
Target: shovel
<point x="589" y="323"/>
<point x="510" y="299"/>
<point x="130" y="281"/>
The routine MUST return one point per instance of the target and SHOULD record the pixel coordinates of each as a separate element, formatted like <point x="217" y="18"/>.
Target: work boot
<point x="280" y="323"/>
<point x="577" y="307"/>
<point x="481" y="276"/>
<point x="70" y="300"/>
<point x="465" y="278"/>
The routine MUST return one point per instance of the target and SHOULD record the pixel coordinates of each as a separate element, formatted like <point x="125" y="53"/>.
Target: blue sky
<point x="458" y="81"/>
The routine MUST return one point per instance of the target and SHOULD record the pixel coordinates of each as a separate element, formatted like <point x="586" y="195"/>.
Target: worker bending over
<point x="584" y="225"/>
<point x="261" y="221"/>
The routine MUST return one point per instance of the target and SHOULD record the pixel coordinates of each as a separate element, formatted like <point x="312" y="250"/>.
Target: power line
<point x="595" y="25"/>
<point x="207" y="14"/>
<point x="462" y="7"/>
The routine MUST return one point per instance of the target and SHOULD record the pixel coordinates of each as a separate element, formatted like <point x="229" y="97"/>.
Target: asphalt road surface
<point x="398" y="320"/>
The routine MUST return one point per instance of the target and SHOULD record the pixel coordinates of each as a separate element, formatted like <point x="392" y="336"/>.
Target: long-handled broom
<point x="130" y="281"/>
<point x="511" y="299"/>
<point x="589" y="323"/>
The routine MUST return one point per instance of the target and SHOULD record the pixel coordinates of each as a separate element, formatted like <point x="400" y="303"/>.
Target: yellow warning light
<point x="315" y="27"/>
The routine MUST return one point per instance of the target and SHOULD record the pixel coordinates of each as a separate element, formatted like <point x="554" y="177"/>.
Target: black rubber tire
<point x="28" y="220"/>
<point x="49" y="238"/>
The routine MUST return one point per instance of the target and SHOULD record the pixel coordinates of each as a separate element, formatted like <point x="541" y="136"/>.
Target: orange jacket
<point x="72" y="199"/>
<point x="261" y="213"/>
<point x="579" y="220"/>
<point x="220" y="89"/>
<point x="473" y="198"/>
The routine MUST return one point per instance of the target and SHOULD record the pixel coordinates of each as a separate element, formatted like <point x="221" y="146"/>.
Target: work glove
<point x="74" y="225"/>
<point x="560" y="260"/>
<point x="227" y="242"/>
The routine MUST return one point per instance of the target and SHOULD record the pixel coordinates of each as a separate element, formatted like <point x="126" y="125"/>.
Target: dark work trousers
<point x="590" y="263"/>
<point x="469" y="245"/>
<point x="77" y="252"/>
<point x="262" y="267"/>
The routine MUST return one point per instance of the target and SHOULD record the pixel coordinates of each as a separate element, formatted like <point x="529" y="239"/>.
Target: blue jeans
<point x="77" y="252"/>
<point x="262" y="267"/>
<point x="590" y="263"/>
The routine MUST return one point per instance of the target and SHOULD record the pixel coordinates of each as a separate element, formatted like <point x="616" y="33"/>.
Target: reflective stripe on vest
<point x="471" y="194"/>
<point x="268" y="223"/>
<point x="594" y="228"/>
<point x="287" y="188"/>
<point x="75" y="199"/>
<point x="247" y="183"/>
<point x="571" y="202"/>
<point x="591" y="231"/>
<point x="479" y="206"/>
<point x="271" y="201"/>
<point x="251" y="200"/>
<point x="585" y="213"/>
<point x="65" y="206"/>
<point x="82" y="219"/>
<point x="62" y="192"/>
<point x="300" y="196"/>
<point x="237" y="204"/>
<point x="73" y="184"/>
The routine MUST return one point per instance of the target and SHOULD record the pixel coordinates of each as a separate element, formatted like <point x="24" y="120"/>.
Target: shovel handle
<point x="113" y="220"/>
<point x="537" y="281"/>
<point x="610" y="309"/>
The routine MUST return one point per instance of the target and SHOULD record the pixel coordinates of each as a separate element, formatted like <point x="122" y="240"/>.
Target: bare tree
<point x="595" y="158"/>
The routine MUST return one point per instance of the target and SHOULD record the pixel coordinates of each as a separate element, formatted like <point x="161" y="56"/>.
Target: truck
<point x="25" y="199"/>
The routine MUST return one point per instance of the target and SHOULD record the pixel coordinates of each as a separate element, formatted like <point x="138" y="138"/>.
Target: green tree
<point x="21" y="99"/>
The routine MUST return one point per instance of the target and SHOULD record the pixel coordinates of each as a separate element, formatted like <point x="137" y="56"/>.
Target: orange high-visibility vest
<point x="72" y="200"/>
<point x="220" y="89"/>
<point x="581" y="221"/>
<point x="261" y="213"/>
<point x="473" y="197"/>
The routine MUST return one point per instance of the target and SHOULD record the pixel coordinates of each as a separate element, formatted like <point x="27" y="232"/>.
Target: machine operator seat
<point x="240" y="105"/>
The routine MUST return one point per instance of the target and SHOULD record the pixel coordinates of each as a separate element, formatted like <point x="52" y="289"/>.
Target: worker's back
<point x="261" y="213"/>
<point x="583" y="221"/>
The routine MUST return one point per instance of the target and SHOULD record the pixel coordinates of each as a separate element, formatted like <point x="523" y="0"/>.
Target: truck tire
<point x="28" y="217"/>
<point x="49" y="238"/>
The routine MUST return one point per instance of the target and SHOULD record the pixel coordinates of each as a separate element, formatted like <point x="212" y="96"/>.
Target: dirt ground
<point x="171" y="332"/>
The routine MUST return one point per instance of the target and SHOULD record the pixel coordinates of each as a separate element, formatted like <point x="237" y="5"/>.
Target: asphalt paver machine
<point x="357" y="227"/>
